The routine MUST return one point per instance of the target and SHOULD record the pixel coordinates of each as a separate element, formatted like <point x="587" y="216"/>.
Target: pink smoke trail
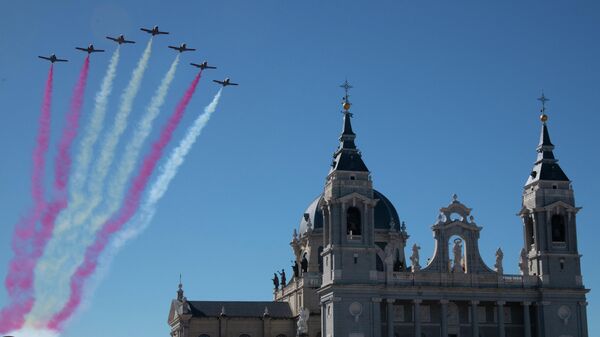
<point x="128" y="209"/>
<point x="12" y="316"/>
<point x="62" y="164"/>
<point x="29" y="251"/>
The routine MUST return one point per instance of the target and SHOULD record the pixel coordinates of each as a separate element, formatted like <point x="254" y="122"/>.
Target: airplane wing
<point x="79" y="48"/>
<point x="44" y="57"/>
<point x="61" y="60"/>
<point x="146" y="30"/>
<point x="173" y="47"/>
<point x="163" y="33"/>
<point x="220" y="82"/>
<point x="112" y="38"/>
<point x="98" y="51"/>
<point x="127" y="41"/>
<point x="189" y="49"/>
<point x="233" y="83"/>
<point x="210" y="67"/>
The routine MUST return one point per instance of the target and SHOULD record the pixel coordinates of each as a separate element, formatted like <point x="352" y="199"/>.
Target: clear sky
<point x="444" y="101"/>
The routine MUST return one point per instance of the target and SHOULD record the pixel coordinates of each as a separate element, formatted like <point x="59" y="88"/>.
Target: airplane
<point x="90" y="49"/>
<point x="52" y="58"/>
<point x="203" y="65"/>
<point x="153" y="31"/>
<point x="183" y="47"/>
<point x="120" y="39"/>
<point x="225" y="82"/>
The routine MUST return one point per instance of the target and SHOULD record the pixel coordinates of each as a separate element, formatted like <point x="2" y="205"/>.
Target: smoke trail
<point x="84" y="157"/>
<point x="49" y="267"/>
<point x="132" y="151"/>
<point x="57" y="269"/>
<point x="128" y="209"/>
<point x="157" y="190"/>
<point x="20" y="303"/>
<point x="168" y="172"/>
<point x="107" y="151"/>
<point x="63" y="165"/>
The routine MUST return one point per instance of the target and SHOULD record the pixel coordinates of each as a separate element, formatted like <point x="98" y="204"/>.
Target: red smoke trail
<point x="22" y="268"/>
<point x="62" y="164"/>
<point x="13" y="315"/>
<point x="128" y="209"/>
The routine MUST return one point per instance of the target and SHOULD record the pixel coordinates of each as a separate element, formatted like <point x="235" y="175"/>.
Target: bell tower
<point x="348" y="211"/>
<point x="549" y="218"/>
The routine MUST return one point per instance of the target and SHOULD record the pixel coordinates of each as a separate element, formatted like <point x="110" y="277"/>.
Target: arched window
<point x="558" y="228"/>
<point x="529" y="232"/>
<point x="398" y="265"/>
<point x="353" y="223"/>
<point x="378" y="263"/>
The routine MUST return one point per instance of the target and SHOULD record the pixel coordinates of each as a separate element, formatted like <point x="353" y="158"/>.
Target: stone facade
<point x="352" y="278"/>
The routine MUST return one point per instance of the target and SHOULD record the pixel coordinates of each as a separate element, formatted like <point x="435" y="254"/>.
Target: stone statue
<point x="304" y="265"/>
<point x="498" y="265"/>
<point x="275" y="281"/>
<point x="282" y="274"/>
<point x="303" y="322"/>
<point x="295" y="269"/>
<point x="389" y="255"/>
<point x="524" y="262"/>
<point x="458" y="258"/>
<point x="414" y="258"/>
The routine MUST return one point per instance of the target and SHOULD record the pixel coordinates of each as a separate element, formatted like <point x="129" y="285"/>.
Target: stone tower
<point x="550" y="241"/>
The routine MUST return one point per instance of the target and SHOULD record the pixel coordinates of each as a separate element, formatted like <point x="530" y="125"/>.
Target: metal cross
<point x="543" y="99"/>
<point x="346" y="86"/>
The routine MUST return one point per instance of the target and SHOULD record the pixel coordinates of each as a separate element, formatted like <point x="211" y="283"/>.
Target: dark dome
<point x="384" y="214"/>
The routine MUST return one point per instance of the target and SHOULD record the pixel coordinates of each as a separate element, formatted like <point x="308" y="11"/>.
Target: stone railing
<point x="307" y="280"/>
<point x="464" y="280"/>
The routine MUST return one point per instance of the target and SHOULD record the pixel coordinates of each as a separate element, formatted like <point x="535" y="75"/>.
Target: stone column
<point x="390" y="317"/>
<point x="417" y="317"/>
<point x="583" y="318"/>
<point x="526" y="319"/>
<point x="376" y="303"/>
<point x="323" y="318"/>
<point x="474" y="319"/>
<point x="444" y="318"/>
<point x="500" y="310"/>
<point x="540" y="326"/>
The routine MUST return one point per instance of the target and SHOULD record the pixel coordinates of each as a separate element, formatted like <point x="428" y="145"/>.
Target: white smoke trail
<point x="118" y="183"/>
<point x="167" y="172"/>
<point x="65" y="250"/>
<point x="92" y="132"/>
<point x="107" y="151"/>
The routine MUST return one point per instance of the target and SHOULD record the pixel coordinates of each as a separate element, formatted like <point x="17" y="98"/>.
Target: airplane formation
<point x="153" y="31"/>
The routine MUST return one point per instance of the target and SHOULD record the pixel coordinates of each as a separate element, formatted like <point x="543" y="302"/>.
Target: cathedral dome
<point x="385" y="213"/>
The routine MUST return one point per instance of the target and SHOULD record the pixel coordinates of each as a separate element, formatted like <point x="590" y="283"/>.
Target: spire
<point x="347" y="157"/>
<point x="546" y="166"/>
<point x="180" y="290"/>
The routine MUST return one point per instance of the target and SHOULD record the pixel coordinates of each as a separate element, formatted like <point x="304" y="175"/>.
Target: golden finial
<point x="543" y="116"/>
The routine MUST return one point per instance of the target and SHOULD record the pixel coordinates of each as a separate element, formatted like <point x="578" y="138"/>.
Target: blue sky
<point x="444" y="101"/>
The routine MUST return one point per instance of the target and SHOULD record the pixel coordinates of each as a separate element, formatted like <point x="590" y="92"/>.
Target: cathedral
<point x="355" y="277"/>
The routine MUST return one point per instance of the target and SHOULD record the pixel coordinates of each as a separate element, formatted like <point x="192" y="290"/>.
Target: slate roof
<point x="240" y="309"/>
<point x="546" y="166"/>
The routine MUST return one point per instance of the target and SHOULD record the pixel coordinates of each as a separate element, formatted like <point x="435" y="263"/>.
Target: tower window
<point x="352" y="178"/>
<point x="378" y="263"/>
<point x="355" y="258"/>
<point x="353" y="222"/>
<point x="558" y="228"/>
<point x="529" y="233"/>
